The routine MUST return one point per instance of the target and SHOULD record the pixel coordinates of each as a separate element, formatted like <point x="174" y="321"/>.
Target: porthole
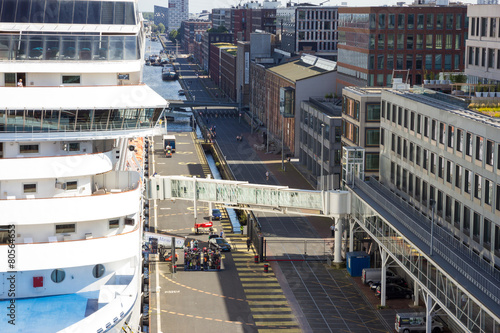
<point x="58" y="275"/>
<point x="98" y="271"/>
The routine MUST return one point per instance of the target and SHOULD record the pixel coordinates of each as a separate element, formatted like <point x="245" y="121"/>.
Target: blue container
<point x="356" y="261"/>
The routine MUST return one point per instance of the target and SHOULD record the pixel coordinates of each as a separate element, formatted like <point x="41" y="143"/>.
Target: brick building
<point x="215" y="62"/>
<point x="192" y="31"/>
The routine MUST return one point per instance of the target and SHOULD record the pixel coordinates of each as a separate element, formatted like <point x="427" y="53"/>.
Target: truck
<point x="169" y="140"/>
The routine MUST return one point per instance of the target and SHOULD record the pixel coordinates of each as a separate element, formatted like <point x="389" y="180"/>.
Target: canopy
<point x="78" y="97"/>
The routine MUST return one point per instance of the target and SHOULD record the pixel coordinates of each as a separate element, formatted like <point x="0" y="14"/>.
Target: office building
<point x="178" y="11"/>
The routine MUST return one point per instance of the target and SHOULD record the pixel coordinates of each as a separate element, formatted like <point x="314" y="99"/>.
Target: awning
<point x="70" y="98"/>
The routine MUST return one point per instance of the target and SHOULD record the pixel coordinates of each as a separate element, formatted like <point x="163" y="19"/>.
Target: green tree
<point x="154" y="28"/>
<point x="161" y="28"/>
<point x="148" y="16"/>
<point x="219" y="29"/>
<point x="173" y="35"/>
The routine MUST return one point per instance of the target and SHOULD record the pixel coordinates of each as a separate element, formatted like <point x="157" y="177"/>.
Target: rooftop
<point x="308" y="66"/>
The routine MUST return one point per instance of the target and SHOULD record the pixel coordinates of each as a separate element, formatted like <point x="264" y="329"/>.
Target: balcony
<point x="113" y="194"/>
<point x="45" y="167"/>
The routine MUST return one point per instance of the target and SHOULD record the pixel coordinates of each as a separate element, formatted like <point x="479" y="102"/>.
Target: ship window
<point x="80" y="13"/>
<point x="58" y="275"/>
<point x="28" y="149"/>
<point x="73" y="185"/>
<point x="94" y="12"/>
<point x="74" y="146"/>
<point x="98" y="271"/>
<point x="51" y="11"/>
<point x="23" y="11"/>
<point x="71" y="79"/>
<point x="29" y="188"/>
<point x="65" y="228"/>
<point x="9" y="11"/>
<point x="37" y="11"/>
<point x="113" y="224"/>
<point x="66" y="11"/>
<point x="5" y="235"/>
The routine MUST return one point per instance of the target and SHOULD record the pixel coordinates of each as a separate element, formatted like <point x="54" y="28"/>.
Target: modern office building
<point x="192" y="31"/>
<point x="161" y="15"/>
<point x="411" y="40"/>
<point x="483" y="44"/>
<point x="178" y="11"/>
<point x="361" y="123"/>
<point x="320" y="141"/>
<point x="219" y="17"/>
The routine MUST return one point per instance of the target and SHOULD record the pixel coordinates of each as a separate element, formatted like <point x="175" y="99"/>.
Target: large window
<point x="29" y="188"/>
<point x="373" y="112"/>
<point x="28" y="149"/>
<point x="65" y="228"/>
<point x="372" y="137"/>
<point x="372" y="161"/>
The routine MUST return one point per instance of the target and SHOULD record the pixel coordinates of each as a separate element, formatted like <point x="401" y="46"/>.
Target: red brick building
<point x="193" y="30"/>
<point x="215" y="61"/>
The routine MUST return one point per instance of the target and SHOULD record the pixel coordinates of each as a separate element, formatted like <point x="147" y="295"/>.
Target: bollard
<point x="175" y="268"/>
<point x="266" y="268"/>
<point x="256" y="259"/>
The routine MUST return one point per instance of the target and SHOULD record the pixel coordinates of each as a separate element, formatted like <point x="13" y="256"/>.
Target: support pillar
<point x="352" y="224"/>
<point x="416" y="292"/>
<point x="337" y="259"/>
<point x="195" y="198"/>
<point x="210" y="204"/>
<point x="428" y="313"/>
<point x="383" y="276"/>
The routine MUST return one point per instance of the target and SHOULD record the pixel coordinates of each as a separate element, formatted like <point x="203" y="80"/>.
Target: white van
<point x="373" y="275"/>
<point x="415" y="322"/>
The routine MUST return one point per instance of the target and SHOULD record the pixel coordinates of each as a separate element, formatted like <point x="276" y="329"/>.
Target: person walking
<point x="332" y="228"/>
<point x="267" y="175"/>
<point x="241" y="228"/>
<point x="249" y="244"/>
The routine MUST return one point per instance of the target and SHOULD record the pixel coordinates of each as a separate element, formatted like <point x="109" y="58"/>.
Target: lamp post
<point x="432" y="202"/>
<point x="322" y="149"/>
<point x="283" y="142"/>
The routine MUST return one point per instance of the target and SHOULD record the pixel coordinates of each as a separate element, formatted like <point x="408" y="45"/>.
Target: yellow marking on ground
<point x="288" y="330"/>
<point x="258" y="303"/>
<point x="266" y="296"/>
<point x="275" y="323"/>
<point x="275" y="309"/>
<point x="270" y="284"/>
<point x="273" y="279"/>
<point x="272" y="316"/>
<point x="260" y="290"/>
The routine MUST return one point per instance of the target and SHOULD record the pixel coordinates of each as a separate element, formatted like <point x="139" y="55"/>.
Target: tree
<point x="173" y="35"/>
<point x="148" y="16"/>
<point x="219" y="29"/>
<point x="161" y="28"/>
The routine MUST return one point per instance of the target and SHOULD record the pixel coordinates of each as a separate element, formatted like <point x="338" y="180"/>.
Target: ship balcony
<point x="74" y="253"/>
<point x="51" y="166"/>
<point x="113" y="194"/>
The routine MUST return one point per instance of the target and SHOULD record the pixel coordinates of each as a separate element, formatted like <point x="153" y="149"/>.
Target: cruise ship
<point x="74" y="116"/>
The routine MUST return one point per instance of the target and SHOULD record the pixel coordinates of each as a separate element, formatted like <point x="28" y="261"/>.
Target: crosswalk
<point x="268" y="305"/>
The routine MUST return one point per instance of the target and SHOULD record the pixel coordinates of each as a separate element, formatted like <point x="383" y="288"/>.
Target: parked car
<point x="371" y="275"/>
<point x="220" y="244"/>
<point x="394" y="291"/>
<point x="390" y="279"/>
<point x="216" y="214"/>
<point x="415" y="322"/>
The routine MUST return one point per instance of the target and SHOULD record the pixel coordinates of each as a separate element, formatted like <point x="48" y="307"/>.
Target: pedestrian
<point x="20" y="83"/>
<point x="267" y="175"/>
<point x="249" y="244"/>
<point x="241" y="228"/>
<point x="332" y="228"/>
<point x="222" y="234"/>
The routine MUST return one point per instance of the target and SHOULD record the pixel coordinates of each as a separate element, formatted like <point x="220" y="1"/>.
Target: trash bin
<point x="256" y="259"/>
<point x="266" y="268"/>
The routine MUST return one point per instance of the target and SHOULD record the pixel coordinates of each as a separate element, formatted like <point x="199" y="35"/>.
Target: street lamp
<point x="432" y="202"/>
<point x="283" y="142"/>
<point x="322" y="149"/>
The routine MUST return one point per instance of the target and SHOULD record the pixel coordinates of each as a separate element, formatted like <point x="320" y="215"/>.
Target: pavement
<point x="293" y="296"/>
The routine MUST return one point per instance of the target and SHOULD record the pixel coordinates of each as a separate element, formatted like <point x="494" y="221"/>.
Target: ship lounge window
<point x="28" y="149"/>
<point x="29" y="188"/>
<point x="98" y="271"/>
<point x="58" y="275"/>
<point x="73" y="185"/>
<point x="65" y="228"/>
<point x="113" y="224"/>
<point x="74" y="146"/>
<point x="71" y="79"/>
<point x="5" y="234"/>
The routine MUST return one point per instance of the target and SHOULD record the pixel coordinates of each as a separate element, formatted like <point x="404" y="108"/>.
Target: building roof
<point x="307" y="66"/>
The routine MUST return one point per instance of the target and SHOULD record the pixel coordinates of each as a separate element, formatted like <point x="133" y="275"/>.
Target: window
<point x="417" y="155"/>
<point x="98" y="271"/>
<point x="412" y="121"/>
<point x="430" y="21"/>
<point x="428" y="42"/>
<point x="399" y="146"/>
<point x="372" y="137"/>
<point x="65" y="228"/>
<point x="489" y="152"/>
<point x="493" y="26"/>
<point x="479" y="148"/>
<point x="458" y="176"/>
<point x="72" y="185"/>
<point x="401" y="21"/>
<point x="409" y="42"/>
<point x="381" y="42"/>
<point x="381" y="21"/>
<point x="71" y="79"/>
<point x="488" y="191"/>
<point x="411" y="21"/>
<point x="486" y="231"/>
<point x="5" y="233"/>
<point x="405" y="118"/>
<point x="419" y="124"/>
<point x="372" y="161"/>
<point x="411" y="152"/>
<point x="113" y="224"/>
<point x="29" y="188"/>
<point x="460" y="140"/>
<point x="392" y="21"/>
<point x="373" y="112"/>
<point x="425" y="159"/>
<point x="58" y="275"/>
<point x="434" y="130"/>
<point x="476" y="225"/>
<point x="477" y="186"/>
<point x="433" y="163"/>
<point x="390" y="41"/>
<point x="441" y="133"/>
<point x="426" y="127"/>
<point x="419" y="45"/>
<point x="466" y="218"/>
<point x="400" y="41"/>
<point x="74" y="146"/>
<point x="28" y="149"/>
<point x="468" y="144"/>
<point x="468" y="181"/>
<point x="420" y="21"/>
<point x="417" y="188"/>
<point x="380" y="63"/>
<point x="405" y="149"/>
<point x="449" y="171"/>
<point x="450" y="136"/>
<point x="400" y="115"/>
<point x="457" y="211"/>
<point x="439" y="21"/>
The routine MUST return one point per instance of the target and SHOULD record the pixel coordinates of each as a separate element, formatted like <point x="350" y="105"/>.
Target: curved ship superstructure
<point x="71" y="180"/>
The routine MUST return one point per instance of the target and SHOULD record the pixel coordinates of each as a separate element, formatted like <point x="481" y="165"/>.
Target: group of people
<point x="196" y="259"/>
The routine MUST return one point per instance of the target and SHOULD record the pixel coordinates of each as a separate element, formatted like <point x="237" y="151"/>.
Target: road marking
<point x="272" y="316"/>
<point x="265" y="296"/>
<point x="172" y="291"/>
<point x="187" y="163"/>
<point x="274" y="309"/>
<point x="165" y="208"/>
<point x="275" y="323"/>
<point x="259" y="303"/>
